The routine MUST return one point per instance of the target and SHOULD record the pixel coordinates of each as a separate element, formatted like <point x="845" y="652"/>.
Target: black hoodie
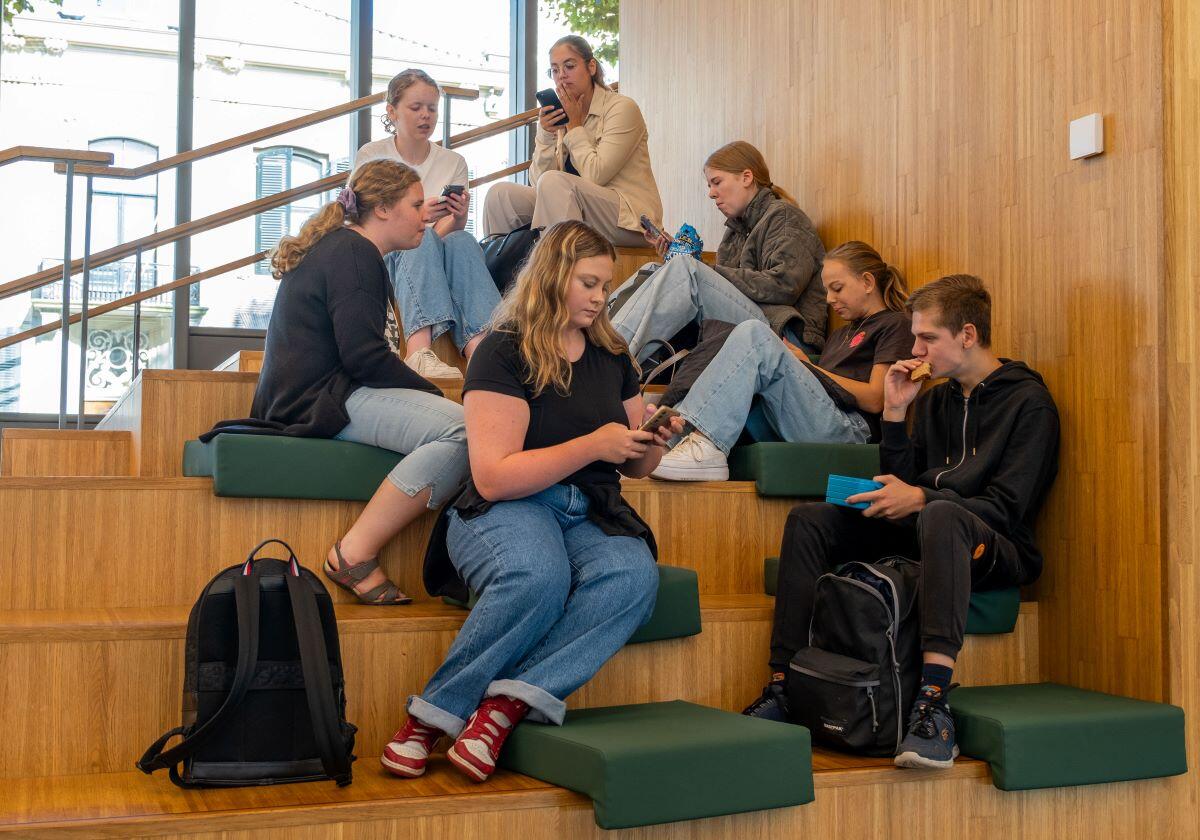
<point x="995" y="453"/>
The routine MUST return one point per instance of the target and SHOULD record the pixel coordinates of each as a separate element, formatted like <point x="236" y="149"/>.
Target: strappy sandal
<point x="385" y="594"/>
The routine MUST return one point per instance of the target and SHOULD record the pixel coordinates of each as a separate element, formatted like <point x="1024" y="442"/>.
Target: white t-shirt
<point x="440" y="167"/>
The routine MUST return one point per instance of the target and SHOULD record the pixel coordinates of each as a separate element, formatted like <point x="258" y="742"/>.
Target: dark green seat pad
<point x="659" y="762"/>
<point x="273" y="466"/>
<point x="800" y="469"/>
<point x="994" y="611"/>
<point x="676" y="611"/>
<point x="1049" y="735"/>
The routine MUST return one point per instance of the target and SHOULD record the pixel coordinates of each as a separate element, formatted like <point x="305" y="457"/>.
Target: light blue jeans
<point x="427" y="429"/>
<point x="557" y="598"/>
<point x="682" y="291"/>
<point x="444" y="284"/>
<point x="753" y="361"/>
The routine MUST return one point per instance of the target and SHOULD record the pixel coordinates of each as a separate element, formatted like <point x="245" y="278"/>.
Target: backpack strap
<point x="675" y="357"/>
<point x="318" y="682"/>
<point x="246" y="594"/>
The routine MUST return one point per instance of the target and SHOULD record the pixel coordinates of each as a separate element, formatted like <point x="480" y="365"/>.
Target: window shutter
<point x="339" y="166"/>
<point x="273" y="176"/>
<point x="473" y="212"/>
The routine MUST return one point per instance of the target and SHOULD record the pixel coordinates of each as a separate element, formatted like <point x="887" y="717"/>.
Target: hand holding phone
<point x="548" y="98"/>
<point x="661" y="417"/>
<point x="452" y="189"/>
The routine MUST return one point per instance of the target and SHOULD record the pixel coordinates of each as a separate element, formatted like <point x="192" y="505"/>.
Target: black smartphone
<point x="549" y="96"/>
<point x="650" y="227"/>
<point x="453" y="189"/>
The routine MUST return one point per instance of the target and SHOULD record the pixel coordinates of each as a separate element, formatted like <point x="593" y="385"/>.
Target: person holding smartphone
<point x="443" y="285"/>
<point x="562" y="564"/>
<point x="591" y="157"/>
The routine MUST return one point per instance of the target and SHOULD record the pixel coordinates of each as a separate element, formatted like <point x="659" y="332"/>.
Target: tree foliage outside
<point x="597" y="20"/>
<point x="11" y="8"/>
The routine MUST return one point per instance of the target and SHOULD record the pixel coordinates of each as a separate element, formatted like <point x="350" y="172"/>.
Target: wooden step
<point x="170" y="535"/>
<point x="165" y="408"/>
<point x="64" y="452"/>
<point x="442" y="804"/>
<point x="109" y="681"/>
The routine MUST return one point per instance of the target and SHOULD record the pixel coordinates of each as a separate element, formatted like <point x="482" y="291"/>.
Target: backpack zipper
<point x="966" y="410"/>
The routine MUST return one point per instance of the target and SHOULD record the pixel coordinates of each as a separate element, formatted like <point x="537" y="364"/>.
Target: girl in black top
<point x="562" y="565"/>
<point x="330" y="370"/>
<point x="836" y="401"/>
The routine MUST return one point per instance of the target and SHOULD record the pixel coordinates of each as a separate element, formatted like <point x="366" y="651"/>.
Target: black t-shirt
<point x="600" y="384"/>
<point x="853" y="350"/>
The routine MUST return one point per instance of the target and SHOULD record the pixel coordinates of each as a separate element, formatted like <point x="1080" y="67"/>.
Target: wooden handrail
<point x="156" y="166"/>
<point x="145" y="294"/>
<point x="44" y="153"/>
<point x="503" y="173"/>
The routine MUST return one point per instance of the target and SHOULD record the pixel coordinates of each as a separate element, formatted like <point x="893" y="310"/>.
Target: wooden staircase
<point x="107" y="546"/>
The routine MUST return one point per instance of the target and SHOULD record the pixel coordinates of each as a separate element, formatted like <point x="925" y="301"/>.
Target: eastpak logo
<point x="834" y="726"/>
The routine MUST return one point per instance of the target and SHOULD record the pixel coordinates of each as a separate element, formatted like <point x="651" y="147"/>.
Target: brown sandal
<point x="346" y="576"/>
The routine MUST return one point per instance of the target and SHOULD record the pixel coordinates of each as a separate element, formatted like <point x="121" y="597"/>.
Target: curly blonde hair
<point x="535" y="308"/>
<point x="377" y="183"/>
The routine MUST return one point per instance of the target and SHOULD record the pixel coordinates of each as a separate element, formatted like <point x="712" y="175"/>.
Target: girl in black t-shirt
<point x="837" y="401"/>
<point x="563" y="566"/>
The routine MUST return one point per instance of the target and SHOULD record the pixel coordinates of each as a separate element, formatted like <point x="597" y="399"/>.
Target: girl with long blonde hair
<point x="838" y="400"/>
<point x="768" y="265"/>
<point x="329" y="370"/>
<point x="563" y="566"/>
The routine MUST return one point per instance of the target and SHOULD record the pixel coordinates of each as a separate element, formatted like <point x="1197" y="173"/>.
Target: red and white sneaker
<point x="477" y="747"/>
<point x="408" y="751"/>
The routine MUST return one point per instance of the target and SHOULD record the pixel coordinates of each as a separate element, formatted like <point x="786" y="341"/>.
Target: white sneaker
<point x="694" y="459"/>
<point x="427" y="364"/>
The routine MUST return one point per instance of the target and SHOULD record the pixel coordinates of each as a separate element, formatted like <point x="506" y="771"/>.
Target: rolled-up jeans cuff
<point x="431" y="715"/>
<point x="543" y="706"/>
<point x="690" y="418"/>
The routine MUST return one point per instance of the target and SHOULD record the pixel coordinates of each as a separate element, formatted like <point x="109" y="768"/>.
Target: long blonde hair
<point x="861" y="258"/>
<point x="737" y="157"/>
<point x="377" y="183"/>
<point x="535" y="308"/>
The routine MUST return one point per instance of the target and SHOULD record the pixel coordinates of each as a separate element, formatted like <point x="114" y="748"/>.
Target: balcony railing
<point x="115" y="281"/>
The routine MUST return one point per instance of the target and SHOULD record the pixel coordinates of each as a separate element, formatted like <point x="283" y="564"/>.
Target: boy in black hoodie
<point x="961" y="494"/>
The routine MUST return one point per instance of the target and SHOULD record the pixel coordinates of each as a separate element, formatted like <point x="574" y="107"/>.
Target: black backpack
<point x="263" y="698"/>
<point x="505" y="253"/>
<point x="855" y="682"/>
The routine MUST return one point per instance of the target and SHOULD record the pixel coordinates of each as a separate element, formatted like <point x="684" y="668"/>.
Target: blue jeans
<point x="753" y="361"/>
<point x="427" y="429"/>
<point x="682" y="291"/>
<point x="557" y="598"/>
<point x="444" y="284"/>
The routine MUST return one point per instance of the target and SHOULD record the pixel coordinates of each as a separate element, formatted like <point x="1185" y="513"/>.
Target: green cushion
<point x="676" y="611"/>
<point x="1048" y="735"/>
<point x="273" y="466"/>
<point x="801" y="469"/>
<point x="990" y="612"/>
<point x="660" y="762"/>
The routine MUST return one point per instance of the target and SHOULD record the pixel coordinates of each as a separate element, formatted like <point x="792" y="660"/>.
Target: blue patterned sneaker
<point x="772" y="705"/>
<point x="930" y="739"/>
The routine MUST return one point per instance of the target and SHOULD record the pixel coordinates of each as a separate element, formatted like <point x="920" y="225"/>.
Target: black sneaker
<point x="771" y="705"/>
<point x="930" y="741"/>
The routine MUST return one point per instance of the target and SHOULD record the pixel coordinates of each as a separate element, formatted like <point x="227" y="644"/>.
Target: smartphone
<point x="549" y="96"/>
<point x="453" y="189"/>
<point x="660" y="418"/>
<point x="650" y="227"/>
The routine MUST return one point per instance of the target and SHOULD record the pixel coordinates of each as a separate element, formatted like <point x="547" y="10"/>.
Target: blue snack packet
<point x="687" y="241"/>
<point x="839" y="487"/>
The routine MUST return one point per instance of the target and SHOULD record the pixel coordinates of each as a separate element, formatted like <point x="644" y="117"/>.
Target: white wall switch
<point x="1087" y="136"/>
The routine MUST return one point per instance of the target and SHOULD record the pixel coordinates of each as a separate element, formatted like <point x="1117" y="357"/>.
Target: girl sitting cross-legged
<point x="837" y="401"/>
<point x="563" y="566"/>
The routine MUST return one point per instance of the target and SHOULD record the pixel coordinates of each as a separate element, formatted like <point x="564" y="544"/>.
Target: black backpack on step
<point x="263" y="698"/>
<point x="854" y="684"/>
<point x="505" y="254"/>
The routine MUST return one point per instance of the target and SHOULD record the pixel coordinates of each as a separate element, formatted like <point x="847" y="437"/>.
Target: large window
<point x="279" y="169"/>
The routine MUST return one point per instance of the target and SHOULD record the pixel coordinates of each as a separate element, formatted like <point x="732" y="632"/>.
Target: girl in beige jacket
<point x="595" y="167"/>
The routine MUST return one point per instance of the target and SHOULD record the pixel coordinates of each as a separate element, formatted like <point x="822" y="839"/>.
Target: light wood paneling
<point x="938" y="132"/>
<point x="133" y="662"/>
<point x="58" y="452"/>
<point x="147" y="542"/>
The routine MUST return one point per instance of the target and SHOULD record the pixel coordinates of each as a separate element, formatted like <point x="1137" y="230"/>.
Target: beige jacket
<point x="610" y="149"/>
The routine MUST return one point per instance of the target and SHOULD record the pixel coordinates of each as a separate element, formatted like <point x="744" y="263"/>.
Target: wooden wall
<point x="938" y="132"/>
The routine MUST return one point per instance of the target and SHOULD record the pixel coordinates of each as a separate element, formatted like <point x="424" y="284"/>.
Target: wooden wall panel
<point x="938" y="132"/>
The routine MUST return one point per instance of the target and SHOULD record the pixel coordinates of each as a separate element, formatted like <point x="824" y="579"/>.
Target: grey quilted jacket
<point x="772" y="254"/>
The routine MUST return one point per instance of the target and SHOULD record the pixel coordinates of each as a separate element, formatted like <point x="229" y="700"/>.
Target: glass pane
<point x="69" y="81"/>
<point x="258" y="64"/>
<point x="596" y="20"/>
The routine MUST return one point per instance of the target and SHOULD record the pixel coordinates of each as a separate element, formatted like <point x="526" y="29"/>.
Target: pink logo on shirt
<point x="858" y="339"/>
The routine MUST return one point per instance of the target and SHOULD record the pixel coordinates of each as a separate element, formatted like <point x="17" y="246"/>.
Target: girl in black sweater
<point x="330" y="369"/>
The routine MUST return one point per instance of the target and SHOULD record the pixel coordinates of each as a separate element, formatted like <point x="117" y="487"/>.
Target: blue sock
<point x="936" y="675"/>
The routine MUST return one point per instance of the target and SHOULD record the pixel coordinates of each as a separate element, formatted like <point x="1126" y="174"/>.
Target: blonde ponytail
<point x="861" y="259"/>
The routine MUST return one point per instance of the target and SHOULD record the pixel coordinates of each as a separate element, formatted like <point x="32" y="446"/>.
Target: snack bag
<point x="687" y="241"/>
